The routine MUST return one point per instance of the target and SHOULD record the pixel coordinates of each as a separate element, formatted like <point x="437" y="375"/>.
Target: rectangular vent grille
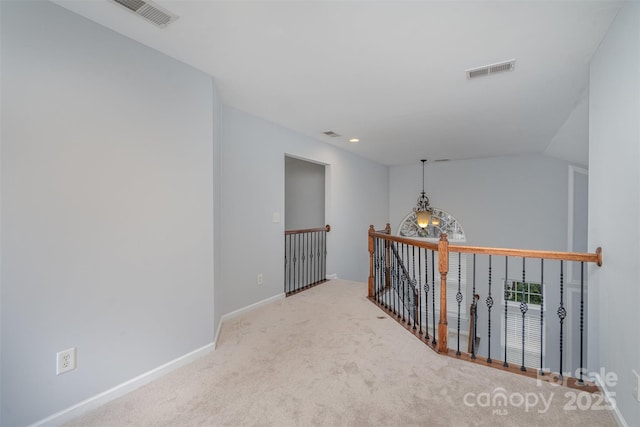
<point x="491" y="69"/>
<point x="332" y="134"/>
<point x="150" y="11"/>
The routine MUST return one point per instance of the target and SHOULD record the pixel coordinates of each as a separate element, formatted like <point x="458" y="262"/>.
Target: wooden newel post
<point x="443" y="267"/>
<point x="371" y="264"/>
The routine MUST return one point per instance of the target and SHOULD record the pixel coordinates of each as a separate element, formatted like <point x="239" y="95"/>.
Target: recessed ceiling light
<point x="354" y="140"/>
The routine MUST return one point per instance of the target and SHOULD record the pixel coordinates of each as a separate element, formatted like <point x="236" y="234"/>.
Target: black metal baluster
<point x="398" y="285"/>
<point x="303" y="261"/>
<point x="489" y="302"/>
<point x="296" y="266"/>
<point x="291" y="260"/>
<point x="309" y="259"/>
<point x="383" y="292"/>
<point x="459" y="300"/>
<point x="506" y="297"/>
<point x="376" y="270"/>
<point x="581" y="380"/>
<point x="324" y="255"/>
<point x="410" y="294"/>
<point x="307" y="246"/>
<point x="541" y="314"/>
<point x="389" y="271"/>
<point x="475" y="311"/>
<point x="318" y="244"/>
<point x="562" y="313"/>
<point x="318" y="257"/>
<point x="318" y="240"/>
<point x="433" y="296"/>
<point x="416" y="291"/>
<point x="404" y="280"/>
<point x="523" y="309"/>
<point x="383" y="273"/>
<point x="426" y="294"/>
<point x="312" y="257"/>
<point x="394" y="276"/>
<point x="321" y="275"/>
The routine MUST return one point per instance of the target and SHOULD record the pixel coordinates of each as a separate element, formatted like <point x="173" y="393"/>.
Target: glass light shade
<point x="435" y="220"/>
<point x="423" y="218"/>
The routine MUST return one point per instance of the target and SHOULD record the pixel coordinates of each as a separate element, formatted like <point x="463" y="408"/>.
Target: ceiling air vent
<point x="150" y="11"/>
<point x="332" y="134"/>
<point x="491" y="69"/>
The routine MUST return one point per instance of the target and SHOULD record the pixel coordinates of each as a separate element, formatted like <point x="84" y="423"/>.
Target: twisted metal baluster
<point x="433" y="296"/>
<point x="489" y="302"/>
<point x="523" y="309"/>
<point x="426" y="293"/>
<point x="506" y="297"/>
<point x="459" y="300"/>
<point x="541" y="314"/>
<point x="419" y="304"/>
<point x="581" y="381"/>
<point x="475" y="310"/>
<point x="296" y="266"/>
<point x="403" y="280"/>
<point x="562" y="313"/>
<point x="413" y="287"/>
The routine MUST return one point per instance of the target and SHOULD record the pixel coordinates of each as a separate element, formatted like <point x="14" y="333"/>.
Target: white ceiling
<point x="392" y="72"/>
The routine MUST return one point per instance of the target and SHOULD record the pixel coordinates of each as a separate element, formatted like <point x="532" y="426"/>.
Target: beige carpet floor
<point x="329" y="357"/>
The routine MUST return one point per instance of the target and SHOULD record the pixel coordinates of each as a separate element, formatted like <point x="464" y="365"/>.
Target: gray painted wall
<point x="107" y="207"/>
<point x="253" y="156"/>
<point x="304" y="194"/>
<point x="510" y="202"/>
<point x="614" y="205"/>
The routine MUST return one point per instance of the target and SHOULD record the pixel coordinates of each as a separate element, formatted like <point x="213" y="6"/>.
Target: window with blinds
<point x="515" y="293"/>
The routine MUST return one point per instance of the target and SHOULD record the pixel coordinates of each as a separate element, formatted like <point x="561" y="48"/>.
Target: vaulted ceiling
<point x="392" y="73"/>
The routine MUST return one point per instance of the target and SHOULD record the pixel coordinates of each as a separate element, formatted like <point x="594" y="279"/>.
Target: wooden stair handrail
<point x="523" y="253"/>
<point x="326" y="228"/>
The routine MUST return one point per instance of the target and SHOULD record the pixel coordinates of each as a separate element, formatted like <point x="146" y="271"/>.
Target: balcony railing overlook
<point x="525" y="314"/>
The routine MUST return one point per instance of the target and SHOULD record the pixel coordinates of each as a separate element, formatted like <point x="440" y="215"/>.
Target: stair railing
<point x="522" y="289"/>
<point x="305" y="258"/>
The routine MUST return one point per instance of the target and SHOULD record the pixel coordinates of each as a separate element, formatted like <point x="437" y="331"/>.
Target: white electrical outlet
<point x="636" y="385"/>
<point x="260" y="279"/>
<point x="65" y="361"/>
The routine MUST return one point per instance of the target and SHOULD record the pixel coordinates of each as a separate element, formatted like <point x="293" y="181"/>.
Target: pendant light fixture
<point x="423" y="210"/>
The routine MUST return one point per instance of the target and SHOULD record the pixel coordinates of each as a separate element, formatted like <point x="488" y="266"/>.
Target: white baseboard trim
<point x="331" y="276"/>
<point x="611" y="401"/>
<point x="94" y="402"/>
<point x="242" y="310"/>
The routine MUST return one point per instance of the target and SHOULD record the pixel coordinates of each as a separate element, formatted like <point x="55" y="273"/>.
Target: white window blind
<point x="532" y="334"/>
